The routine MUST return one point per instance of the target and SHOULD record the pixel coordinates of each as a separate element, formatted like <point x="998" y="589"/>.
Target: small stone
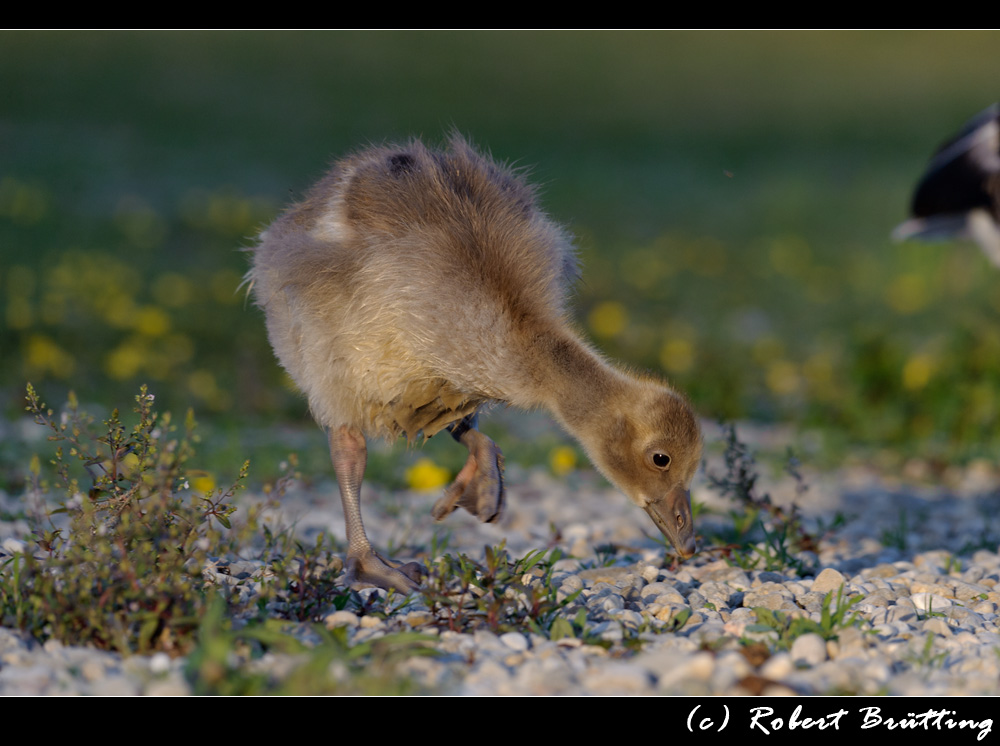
<point x="852" y="640"/>
<point x="885" y="630"/>
<point x="829" y="580"/>
<point x="809" y="649"/>
<point x="631" y="619"/>
<point x="777" y="667"/>
<point x="515" y="641"/>
<point x="661" y="593"/>
<point x="697" y="667"/>
<point x="618" y="677"/>
<point x="938" y="626"/>
<point x="927" y="602"/>
<point x="93" y="670"/>
<point x="418" y="618"/>
<point x="650" y="573"/>
<point x="11" y="545"/>
<point x="774" y="600"/>
<point x="341" y="618"/>
<point x="766" y="576"/>
<point x="159" y="663"/>
<point x="571" y="584"/>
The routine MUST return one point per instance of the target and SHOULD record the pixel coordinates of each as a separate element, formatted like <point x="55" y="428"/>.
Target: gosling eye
<point x="660" y="460"/>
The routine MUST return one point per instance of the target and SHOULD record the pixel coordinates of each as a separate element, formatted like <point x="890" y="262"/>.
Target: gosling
<point x="413" y="287"/>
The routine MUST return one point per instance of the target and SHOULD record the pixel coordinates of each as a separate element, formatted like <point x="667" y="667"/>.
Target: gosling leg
<point x="479" y="485"/>
<point x="365" y="567"/>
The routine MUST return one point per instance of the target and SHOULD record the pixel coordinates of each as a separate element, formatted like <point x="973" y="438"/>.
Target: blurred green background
<point x="732" y="195"/>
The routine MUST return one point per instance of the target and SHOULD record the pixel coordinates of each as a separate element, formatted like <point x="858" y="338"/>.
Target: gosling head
<point x="651" y="450"/>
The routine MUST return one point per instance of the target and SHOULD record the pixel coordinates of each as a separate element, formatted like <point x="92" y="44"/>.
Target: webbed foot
<point x="479" y="486"/>
<point x="370" y="569"/>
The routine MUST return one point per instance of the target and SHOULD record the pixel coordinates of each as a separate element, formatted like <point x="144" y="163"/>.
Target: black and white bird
<point x="959" y="194"/>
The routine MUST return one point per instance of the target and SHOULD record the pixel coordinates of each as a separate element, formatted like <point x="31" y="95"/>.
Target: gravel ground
<point x="925" y="559"/>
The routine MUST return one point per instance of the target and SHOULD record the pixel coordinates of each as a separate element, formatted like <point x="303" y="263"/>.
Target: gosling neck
<point x="576" y="384"/>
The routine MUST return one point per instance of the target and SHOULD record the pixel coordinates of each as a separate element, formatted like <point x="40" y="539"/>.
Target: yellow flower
<point x="126" y="360"/>
<point x="202" y="384"/>
<point x="201" y="481"/>
<point x="425" y="475"/>
<point x="43" y="356"/>
<point x="917" y="372"/>
<point x="151" y="321"/>
<point x="677" y="355"/>
<point x="608" y="319"/>
<point x="562" y="460"/>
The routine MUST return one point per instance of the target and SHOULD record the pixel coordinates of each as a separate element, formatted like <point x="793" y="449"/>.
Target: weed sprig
<point x="833" y="618"/>
<point x="502" y="594"/>
<point x="784" y="534"/>
<point x="122" y="554"/>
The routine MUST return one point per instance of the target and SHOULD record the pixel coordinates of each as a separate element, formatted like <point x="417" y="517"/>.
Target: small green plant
<point x="501" y="594"/>
<point x="839" y="521"/>
<point x="117" y="563"/>
<point x="896" y="535"/>
<point x="774" y="554"/>
<point x="308" y="577"/>
<point x="212" y="664"/>
<point x="928" y="611"/>
<point x="677" y="621"/>
<point x="926" y="658"/>
<point x="121" y="557"/>
<point x="121" y="563"/>
<point x="952" y="565"/>
<point x="564" y="627"/>
<point x="217" y="663"/>
<point x="634" y="638"/>
<point x="833" y="618"/>
<point x="607" y="554"/>
<point x="786" y="536"/>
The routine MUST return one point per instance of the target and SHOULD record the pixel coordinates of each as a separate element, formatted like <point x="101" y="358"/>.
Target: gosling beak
<point x="672" y="515"/>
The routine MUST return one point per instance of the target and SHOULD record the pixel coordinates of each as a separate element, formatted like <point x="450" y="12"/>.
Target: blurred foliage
<point x="732" y="195"/>
<point x="124" y="574"/>
<point x="143" y="554"/>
